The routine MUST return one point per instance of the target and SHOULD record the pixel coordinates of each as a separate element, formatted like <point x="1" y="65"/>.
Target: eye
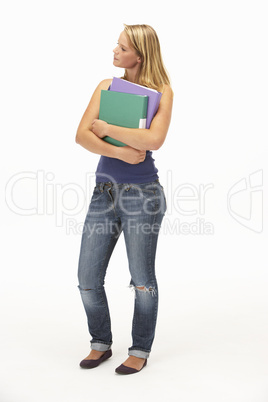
<point x="121" y="47"/>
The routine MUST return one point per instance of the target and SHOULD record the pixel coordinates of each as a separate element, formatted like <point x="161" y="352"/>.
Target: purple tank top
<point x="117" y="171"/>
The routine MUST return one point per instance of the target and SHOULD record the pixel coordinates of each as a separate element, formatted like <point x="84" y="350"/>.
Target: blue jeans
<point x="136" y="210"/>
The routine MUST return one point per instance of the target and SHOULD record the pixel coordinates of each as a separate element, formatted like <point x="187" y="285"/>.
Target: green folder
<point x="124" y="110"/>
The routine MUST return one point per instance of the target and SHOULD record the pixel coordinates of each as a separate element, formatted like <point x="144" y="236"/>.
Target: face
<point x="124" y="55"/>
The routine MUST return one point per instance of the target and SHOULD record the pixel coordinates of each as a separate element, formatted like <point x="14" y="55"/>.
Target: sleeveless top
<point x="117" y="171"/>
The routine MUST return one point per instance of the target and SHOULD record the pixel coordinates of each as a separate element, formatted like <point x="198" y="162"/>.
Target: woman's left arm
<point x="139" y="138"/>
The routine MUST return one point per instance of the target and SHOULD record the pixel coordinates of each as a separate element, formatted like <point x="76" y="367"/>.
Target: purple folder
<point x="120" y="85"/>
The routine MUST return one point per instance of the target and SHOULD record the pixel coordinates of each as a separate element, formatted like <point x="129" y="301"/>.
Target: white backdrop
<point x="211" y="340"/>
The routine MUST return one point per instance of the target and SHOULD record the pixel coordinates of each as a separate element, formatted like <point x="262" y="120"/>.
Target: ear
<point x="139" y="59"/>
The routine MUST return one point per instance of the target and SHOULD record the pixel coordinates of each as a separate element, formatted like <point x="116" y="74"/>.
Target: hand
<point x="132" y="155"/>
<point x="99" y="128"/>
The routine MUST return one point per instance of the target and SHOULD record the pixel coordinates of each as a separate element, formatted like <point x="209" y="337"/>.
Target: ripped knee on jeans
<point x="79" y="287"/>
<point x="150" y="289"/>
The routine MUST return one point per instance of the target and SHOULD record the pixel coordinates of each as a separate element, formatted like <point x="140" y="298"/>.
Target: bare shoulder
<point x="167" y="91"/>
<point x="104" y="84"/>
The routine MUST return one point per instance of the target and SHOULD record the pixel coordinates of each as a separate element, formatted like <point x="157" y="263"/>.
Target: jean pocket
<point x="148" y="190"/>
<point x="96" y="194"/>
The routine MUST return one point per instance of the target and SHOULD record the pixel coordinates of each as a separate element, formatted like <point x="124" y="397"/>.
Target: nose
<point x="115" y="49"/>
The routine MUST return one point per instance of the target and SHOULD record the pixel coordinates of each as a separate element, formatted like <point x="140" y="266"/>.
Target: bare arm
<point x="143" y="139"/>
<point x="87" y="139"/>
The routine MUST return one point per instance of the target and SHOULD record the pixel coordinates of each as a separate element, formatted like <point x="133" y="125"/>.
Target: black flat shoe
<point x="128" y="370"/>
<point x="90" y="363"/>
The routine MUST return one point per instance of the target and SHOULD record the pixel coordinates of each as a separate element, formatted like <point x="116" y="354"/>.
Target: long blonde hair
<point x="144" y="40"/>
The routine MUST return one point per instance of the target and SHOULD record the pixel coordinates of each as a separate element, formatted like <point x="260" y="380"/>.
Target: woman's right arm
<point x="87" y="139"/>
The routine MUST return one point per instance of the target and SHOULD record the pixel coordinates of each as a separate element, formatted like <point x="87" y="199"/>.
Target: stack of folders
<point x="128" y="105"/>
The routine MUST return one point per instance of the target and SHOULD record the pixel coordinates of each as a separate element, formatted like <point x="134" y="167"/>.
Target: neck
<point x="132" y="73"/>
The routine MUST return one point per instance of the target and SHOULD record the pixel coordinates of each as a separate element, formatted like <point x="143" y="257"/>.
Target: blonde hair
<point x="144" y="40"/>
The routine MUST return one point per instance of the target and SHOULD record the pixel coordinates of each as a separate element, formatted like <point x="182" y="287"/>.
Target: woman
<point x="127" y="198"/>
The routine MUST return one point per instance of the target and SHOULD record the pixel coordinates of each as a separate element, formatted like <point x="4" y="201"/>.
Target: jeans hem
<point x="138" y="353"/>
<point x="100" y="346"/>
